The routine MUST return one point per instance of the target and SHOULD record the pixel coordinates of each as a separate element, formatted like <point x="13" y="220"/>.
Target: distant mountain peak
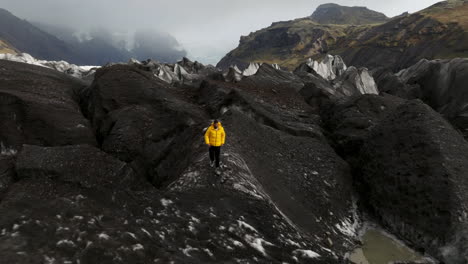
<point x="357" y="15"/>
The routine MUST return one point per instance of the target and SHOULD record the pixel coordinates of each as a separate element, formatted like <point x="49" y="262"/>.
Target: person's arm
<point x="223" y="137"/>
<point x="207" y="138"/>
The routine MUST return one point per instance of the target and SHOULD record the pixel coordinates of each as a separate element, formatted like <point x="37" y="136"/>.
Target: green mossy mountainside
<point x="439" y="31"/>
<point x="356" y="15"/>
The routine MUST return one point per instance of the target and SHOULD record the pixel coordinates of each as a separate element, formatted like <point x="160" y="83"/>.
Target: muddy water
<point x="380" y="248"/>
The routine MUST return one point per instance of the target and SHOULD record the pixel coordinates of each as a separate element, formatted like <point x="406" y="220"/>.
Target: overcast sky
<point x="207" y="29"/>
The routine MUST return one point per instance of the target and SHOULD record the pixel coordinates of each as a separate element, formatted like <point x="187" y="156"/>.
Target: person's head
<point x="215" y="123"/>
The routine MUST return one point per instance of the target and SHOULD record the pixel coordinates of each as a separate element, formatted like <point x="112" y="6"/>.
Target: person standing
<point x="215" y="136"/>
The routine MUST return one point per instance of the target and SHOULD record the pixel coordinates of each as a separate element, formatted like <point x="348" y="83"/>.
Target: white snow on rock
<point x="244" y="225"/>
<point x="7" y="151"/>
<point x="276" y="66"/>
<point x="166" y="202"/>
<point x="306" y="253"/>
<point x="349" y="226"/>
<point x="61" y="66"/>
<point x="49" y="260"/>
<point x="360" y="79"/>
<point x="103" y="236"/>
<point x="189" y="249"/>
<point x="137" y="247"/>
<point x="363" y="80"/>
<point x="65" y="242"/>
<point x="183" y="71"/>
<point x="257" y="243"/>
<point x="330" y="68"/>
<point x="251" y="69"/>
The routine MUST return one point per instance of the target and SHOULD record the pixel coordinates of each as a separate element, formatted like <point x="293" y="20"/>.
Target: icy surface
<point x="330" y="68"/>
<point x="61" y="66"/>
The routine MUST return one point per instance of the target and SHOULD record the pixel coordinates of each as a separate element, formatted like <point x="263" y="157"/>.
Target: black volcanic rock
<point x="147" y="125"/>
<point x="270" y="204"/>
<point x="317" y="92"/>
<point x="336" y="14"/>
<point x="40" y="107"/>
<point x="7" y="173"/>
<point x="390" y="83"/>
<point x="271" y="97"/>
<point x="308" y="189"/>
<point x="349" y="120"/>
<point x="442" y="85"/>
<point x="51" y="220"/>
<point x="414" y="167"/>
<point x="84" y="165"/>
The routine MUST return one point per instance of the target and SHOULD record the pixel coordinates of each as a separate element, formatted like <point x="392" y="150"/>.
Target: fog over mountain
<point x="207" y="29"/>
<point x="118" y="45"/>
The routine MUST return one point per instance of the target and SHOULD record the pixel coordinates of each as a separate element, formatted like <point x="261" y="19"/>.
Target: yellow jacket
<point x="215" y="137"/>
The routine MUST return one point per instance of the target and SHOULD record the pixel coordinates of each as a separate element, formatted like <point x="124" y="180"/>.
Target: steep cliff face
<point x="440" y="31"/>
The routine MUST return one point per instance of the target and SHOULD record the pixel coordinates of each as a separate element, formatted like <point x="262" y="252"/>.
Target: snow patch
<point x="306" y="253"/>
<point x="6" y="151"/>
<point x="61" y="66"/>
<point x="137" y="247"/>
<point x="166" y="202"/>
<point x="244" y="225"/>
<point x="146" y="232"/>
<point x="189" y="249"/>
<point x="103" y="236"/>
<point x="65" y="242"/>
<point x="330" y="68"/>
<point x="257" y="243"/>
<point x="350" y="225"/>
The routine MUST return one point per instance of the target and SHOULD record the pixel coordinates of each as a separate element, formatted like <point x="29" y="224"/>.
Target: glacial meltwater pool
<point x="381" y="248"/>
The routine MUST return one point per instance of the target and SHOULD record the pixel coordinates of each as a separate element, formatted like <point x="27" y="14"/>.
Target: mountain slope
<point x="437" y="32"/>
<point x="27" y="38"/>
<point x="6" y="48"/>
<point x="336" y="14"/>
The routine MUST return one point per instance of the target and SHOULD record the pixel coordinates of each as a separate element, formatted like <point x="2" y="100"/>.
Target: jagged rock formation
<point x="439" y="31"/>
<point x="329" y="68"/>
<point x="440" y="83"/>
<point x="182" y="72"/>
<point x="332" y="79"/>
<point x="40" y="107"/>
<point x="356" y="81"/>
<point x="82" y="72"/>
<point x="344" y="15"/>
<point x="144" y="191"/>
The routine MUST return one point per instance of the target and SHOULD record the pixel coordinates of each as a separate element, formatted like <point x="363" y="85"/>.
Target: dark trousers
<point x="214" y="154"/>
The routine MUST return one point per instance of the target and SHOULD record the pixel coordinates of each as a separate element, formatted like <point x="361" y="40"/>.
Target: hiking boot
<point x="212" y="163"/>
